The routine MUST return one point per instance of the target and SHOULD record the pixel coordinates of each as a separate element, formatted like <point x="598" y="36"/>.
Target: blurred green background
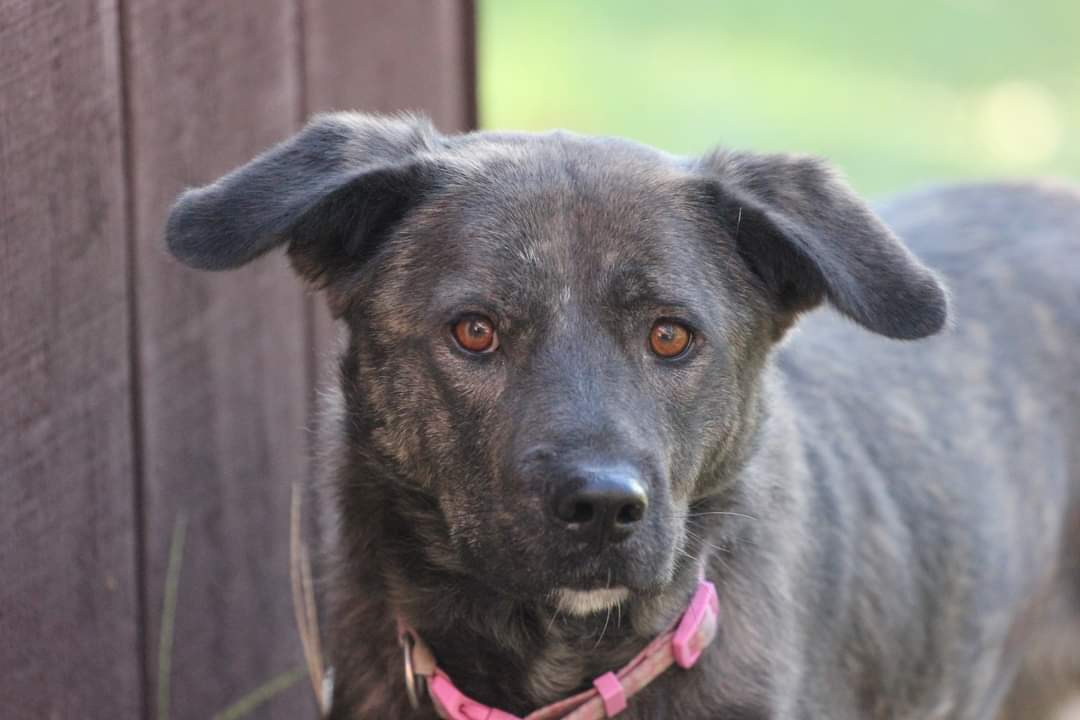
<point x="896" y="94"/>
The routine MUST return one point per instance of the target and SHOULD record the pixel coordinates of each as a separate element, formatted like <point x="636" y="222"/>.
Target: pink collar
<point x="681" y="645"/>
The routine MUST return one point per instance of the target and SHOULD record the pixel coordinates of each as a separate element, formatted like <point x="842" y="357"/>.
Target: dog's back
<point x="954" y="464"/>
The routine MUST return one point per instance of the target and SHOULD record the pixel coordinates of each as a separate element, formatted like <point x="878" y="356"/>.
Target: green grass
<point x="895" y="94"/>
<point x="263" y="694"/>
<point x="168" y="616"/>
<point x="243" y="707"/>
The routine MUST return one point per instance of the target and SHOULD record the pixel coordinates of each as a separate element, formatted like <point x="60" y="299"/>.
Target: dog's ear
<point x="331" y="192"/>
<point x="808" y="237"/>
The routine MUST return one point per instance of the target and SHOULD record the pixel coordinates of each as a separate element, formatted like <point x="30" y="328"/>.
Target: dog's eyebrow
<point x="635" y="292"/>
<point x="452" y="296"/>
<point x="667" y="307"/>
<point x="630" y="287"/>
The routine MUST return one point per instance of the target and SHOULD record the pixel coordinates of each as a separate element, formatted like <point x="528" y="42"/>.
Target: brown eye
<point x="669" y="339"/>
<point x="476" y="333"/>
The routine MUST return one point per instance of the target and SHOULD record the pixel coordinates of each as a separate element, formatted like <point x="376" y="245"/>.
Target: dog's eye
<point x="476" y="334"/>
<point x="669" y="339"/>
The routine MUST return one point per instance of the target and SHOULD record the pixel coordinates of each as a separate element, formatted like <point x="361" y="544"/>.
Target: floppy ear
<point x="331" y="192"/>
<point x="808" y="237"/>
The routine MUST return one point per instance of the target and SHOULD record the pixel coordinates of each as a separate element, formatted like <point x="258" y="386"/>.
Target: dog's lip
<point x="589" y="601"/>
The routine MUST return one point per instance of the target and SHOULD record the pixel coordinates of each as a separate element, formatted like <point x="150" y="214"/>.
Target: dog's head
<point x="556" y="340"/>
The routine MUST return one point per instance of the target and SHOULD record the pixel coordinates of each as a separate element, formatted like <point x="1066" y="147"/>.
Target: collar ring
<point x="415" y="684"/>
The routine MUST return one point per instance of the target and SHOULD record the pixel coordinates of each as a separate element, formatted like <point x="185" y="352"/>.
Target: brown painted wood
<point x="100" y="457"/>
<point x="68" y="586"/>
<point x="223" y="357"/>
<point x="386" y="56"/>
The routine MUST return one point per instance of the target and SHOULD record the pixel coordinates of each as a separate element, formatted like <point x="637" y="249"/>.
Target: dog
<point x="572" y="396"/>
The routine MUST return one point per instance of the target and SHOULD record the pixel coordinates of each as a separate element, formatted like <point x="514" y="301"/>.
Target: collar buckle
<point x="697" y="627"/>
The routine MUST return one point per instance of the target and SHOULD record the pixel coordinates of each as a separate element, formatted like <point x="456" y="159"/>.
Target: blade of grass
<point x="247" y="704"/>
<point x="307" y="622"/>
<point x="168" y="615"/>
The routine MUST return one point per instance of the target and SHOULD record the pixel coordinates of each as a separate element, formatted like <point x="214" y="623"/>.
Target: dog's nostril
<point x="575" y="509"/>
<point x="582" y="513"/>
<point x="630" y="513"/>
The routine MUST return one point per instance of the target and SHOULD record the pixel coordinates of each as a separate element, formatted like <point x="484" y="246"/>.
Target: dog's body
<point x="940" y="475"/>
<point x="893" y="529"/>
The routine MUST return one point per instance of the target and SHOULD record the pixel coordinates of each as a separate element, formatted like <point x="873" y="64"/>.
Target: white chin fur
<point x="587" y="602"/>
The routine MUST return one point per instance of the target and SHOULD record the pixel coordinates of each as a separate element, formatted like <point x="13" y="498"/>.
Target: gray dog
<point x="571" y="391"/>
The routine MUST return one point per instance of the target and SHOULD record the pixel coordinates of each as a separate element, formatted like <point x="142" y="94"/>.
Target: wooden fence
<point x="140" y="403"/>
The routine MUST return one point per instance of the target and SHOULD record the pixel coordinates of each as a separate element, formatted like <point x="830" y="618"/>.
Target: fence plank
<point x="68" y="595"/>
<point x="222" y="357"/>
<point x="384" y="56"/>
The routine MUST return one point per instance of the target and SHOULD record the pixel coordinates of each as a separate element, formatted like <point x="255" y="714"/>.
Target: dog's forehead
<point x="561" y="176"/>
<point x="565" y="204"/>
<point x="531" y="224"/>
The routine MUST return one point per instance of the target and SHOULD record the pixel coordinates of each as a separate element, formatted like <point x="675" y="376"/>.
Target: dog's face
<point x="551" y="345"/>
<point x="556" y="340"/>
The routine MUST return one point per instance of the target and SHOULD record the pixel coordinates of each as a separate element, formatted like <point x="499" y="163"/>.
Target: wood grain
<point x="222" y="357"/>
<point x="68" y="595"/>
<point x="134" y="392"/>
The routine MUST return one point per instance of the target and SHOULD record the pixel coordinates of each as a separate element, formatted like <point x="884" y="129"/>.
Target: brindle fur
<point x="893" y="527"/>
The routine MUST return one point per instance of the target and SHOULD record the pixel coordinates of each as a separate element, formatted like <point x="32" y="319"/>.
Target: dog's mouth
<point x="522" y="555"/>
<point x="581" y="603"/>
<point x="574" y="585"/>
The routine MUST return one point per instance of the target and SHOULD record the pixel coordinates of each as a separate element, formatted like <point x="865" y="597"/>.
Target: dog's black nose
<point x="603" y="504"/>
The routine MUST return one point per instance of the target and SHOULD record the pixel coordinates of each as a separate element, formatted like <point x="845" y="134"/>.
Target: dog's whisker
<point x="603" y="630"/>
<point x="687" y="516"/>
<point x="607" y="615"/>
<point x="705" y="543"/>
<point x="684" y="553"/>
<point x="555" y="615"/>
<point x="735" y="540"/>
